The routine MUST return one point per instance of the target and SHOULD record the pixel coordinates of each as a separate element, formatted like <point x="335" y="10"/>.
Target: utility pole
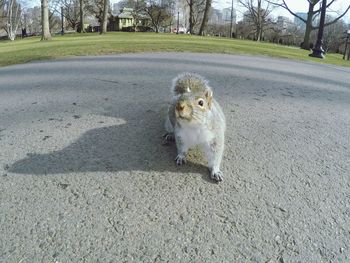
<point x="318" y="51"/>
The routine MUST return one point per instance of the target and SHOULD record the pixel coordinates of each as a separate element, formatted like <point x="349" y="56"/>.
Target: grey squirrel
<point x="196" y="119"/>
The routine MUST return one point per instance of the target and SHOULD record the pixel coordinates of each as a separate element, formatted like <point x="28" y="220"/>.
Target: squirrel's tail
<point x="189" y="82"/>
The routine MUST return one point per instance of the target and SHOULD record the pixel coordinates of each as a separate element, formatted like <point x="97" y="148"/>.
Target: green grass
<point x="31" y="49"/>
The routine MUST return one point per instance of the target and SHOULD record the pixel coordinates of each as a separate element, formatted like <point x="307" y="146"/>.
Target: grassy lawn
<point x="31" y="49"/>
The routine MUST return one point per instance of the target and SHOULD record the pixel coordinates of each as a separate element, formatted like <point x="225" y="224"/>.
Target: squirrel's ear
<point x="209" y="97"/>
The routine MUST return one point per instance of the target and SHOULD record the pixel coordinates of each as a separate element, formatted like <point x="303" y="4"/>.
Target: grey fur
<point x="189" y="82"/>
<point x="206" y="129"/>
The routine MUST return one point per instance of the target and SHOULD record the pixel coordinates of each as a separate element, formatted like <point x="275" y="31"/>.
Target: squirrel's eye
<point x="201" y="103"/>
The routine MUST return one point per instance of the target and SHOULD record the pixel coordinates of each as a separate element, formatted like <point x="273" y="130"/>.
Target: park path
<point x="84" y="177"/>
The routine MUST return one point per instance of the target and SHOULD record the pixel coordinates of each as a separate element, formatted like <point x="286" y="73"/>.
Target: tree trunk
<point x="104" y="17"/>
<point x="82" y="29"/>
<point x="308" y="29"/>
<point x="191" y="18"/>
<point x="205" y="17"/>
<point x="258" y="28"/>
<point x="259" y="33"/>
<point x="46" y="35"/>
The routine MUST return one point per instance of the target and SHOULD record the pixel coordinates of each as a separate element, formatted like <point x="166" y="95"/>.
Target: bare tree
<point x="125" y="3"/>
<point x="71" y="11"/>
<point x="333" y="36"/>
<point x="257" y="14"/>
<point x="311" y="14"/>
<point x="138" y="12"/>
<point x="33" y="19"/>
<point x="46" y="35"/>
<point x="158" y="13"/>
<point x="195" y="10"/>
<point x="54" y="21"/>
<point x="2" y="14"/>
<point x="287" y="34"/>
<point x="74" y="11"/>
<point x="95" y="7"/>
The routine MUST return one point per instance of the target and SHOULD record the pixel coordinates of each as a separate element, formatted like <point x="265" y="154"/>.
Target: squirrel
<point x="196" y="119"/>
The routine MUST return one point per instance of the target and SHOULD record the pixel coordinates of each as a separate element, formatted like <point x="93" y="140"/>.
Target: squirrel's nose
<point x="180" y="106"/>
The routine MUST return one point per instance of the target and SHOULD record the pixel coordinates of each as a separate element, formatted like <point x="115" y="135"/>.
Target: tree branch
<point x="330" y="3"/>
<point x="339" y="17"/>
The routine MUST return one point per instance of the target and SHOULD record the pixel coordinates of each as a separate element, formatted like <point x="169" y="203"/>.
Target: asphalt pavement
<point x="84" y="176"/>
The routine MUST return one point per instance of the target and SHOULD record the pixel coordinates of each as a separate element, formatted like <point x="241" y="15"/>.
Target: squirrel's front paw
<point x="217" y="176"/>
<point x="180" y="159"/>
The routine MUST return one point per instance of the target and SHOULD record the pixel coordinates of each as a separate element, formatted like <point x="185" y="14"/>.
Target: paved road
<point x="84" y="178"/>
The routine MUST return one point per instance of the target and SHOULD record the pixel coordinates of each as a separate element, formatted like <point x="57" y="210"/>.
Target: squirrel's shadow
<point x="135" y="145"/>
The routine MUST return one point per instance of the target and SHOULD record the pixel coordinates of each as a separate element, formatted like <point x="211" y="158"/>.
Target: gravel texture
<point x="84" y="177"/>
